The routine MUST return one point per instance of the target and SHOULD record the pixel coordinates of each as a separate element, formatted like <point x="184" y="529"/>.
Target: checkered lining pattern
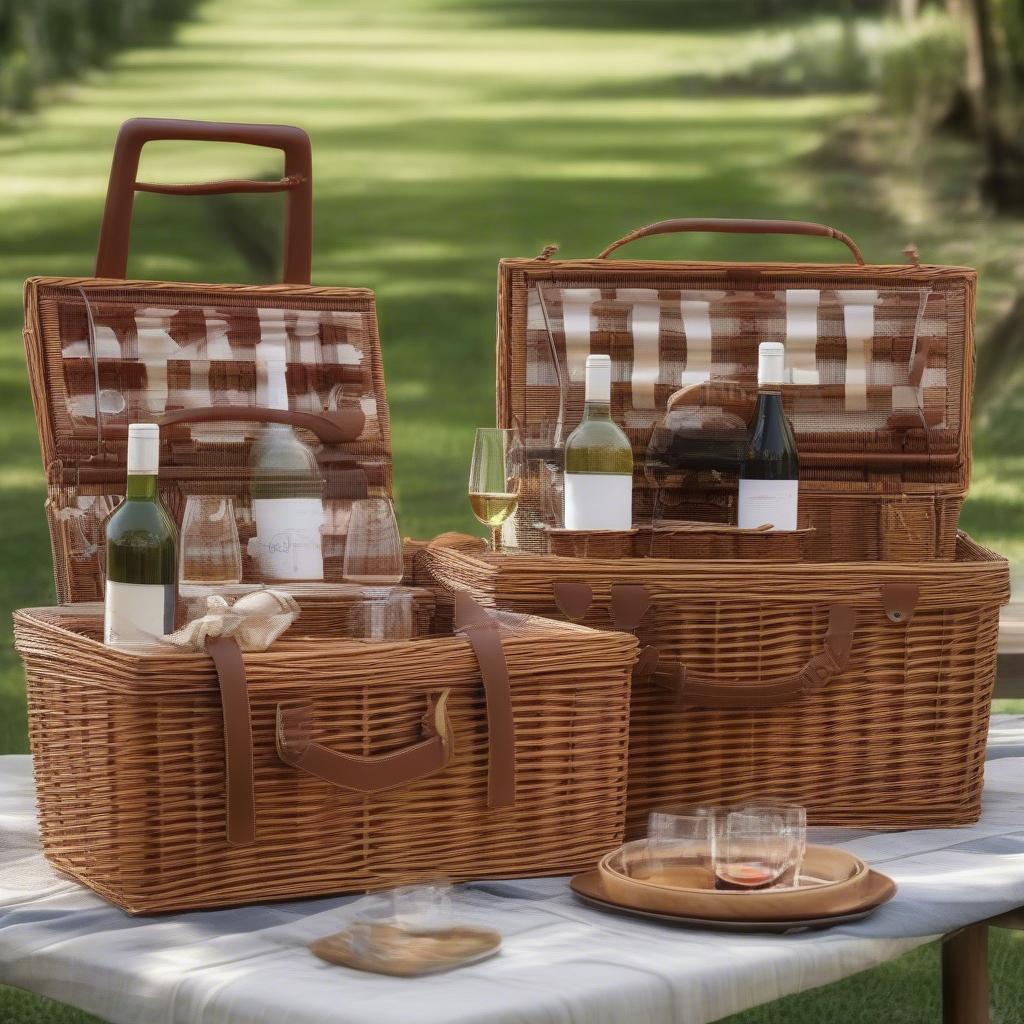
<point x="137" y="350"/>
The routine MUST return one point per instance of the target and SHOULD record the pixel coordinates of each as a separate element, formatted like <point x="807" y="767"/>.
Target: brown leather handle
<point x="332" y="427"/>
<point x="240" y="789"/>
<point x="373" y="774"/>
<point x="726" y="225"/>
<point x="692" y="689"/>
<point x="115" y="230"/>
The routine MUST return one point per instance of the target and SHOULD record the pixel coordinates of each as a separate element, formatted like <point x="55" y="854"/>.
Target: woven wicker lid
<point x="104" y="353"/>
<point x="879" y="358"/>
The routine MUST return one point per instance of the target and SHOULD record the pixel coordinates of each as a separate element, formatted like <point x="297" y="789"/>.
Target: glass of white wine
<point x="495" y="476"/>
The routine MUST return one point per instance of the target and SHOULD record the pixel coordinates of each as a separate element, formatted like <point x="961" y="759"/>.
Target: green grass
<point x="448" y="133"/>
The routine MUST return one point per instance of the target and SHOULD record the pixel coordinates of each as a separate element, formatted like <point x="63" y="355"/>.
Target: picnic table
<point x="561" y="961"/>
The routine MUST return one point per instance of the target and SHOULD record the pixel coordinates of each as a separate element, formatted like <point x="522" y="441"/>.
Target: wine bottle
<point x="598" y="460"/>
<point x="142" y="552"/>
<point x="769" y="477"/>
<point x="287" y="491"/>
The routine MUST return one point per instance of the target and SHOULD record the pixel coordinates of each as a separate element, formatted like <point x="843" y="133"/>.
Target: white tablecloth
<point x="561" y="961"/>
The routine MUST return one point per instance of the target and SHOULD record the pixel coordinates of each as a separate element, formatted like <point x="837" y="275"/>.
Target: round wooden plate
<point x="878" y="890"/>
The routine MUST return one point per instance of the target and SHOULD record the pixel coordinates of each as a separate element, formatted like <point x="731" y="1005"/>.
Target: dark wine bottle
<point x="142" y="552"/>
<point x="769" y="476"/>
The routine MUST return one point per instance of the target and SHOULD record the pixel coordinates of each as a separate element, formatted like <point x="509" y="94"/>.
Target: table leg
<point x="965" y="976"/>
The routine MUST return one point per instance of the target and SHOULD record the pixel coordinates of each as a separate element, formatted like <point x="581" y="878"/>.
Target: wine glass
<point x="210" y="550"/>
<point x="750" y="851"/>
<point x="495" y="477"/>
<point x="373" y="545"/>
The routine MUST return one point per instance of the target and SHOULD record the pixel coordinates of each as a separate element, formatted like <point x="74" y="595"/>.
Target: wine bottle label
<point x="768" y="501"/>
<point x="137" y="614"/>
<point x="598" y="501"/>
<point x="288" y="538"/>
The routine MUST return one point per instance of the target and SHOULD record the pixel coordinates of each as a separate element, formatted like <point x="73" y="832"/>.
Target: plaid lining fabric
<point x="849" y="351"/>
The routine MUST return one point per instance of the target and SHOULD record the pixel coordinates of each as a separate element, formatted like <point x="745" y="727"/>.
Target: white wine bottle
<point x="142" y="552"/>
<point x="769" y="477"/>
<point x="598" y="460"/>
<point x="287" y="486"/>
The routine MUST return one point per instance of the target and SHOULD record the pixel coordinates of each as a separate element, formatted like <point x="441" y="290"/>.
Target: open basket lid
<point x="209" y="363"/>
<point x="104" y="352"/>
<point x="879" y="358"/>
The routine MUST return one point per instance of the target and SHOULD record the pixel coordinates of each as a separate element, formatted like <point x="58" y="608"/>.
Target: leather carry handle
<point x="332" y="427"/>
<point x="373" y="774"/>
<point x="115" y="229"/>
<point x="726" y="225"/>
<point x="691" y="689"/>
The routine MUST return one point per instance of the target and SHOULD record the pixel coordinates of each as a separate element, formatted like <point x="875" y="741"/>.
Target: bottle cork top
<point x="598" y="378"/>
<point x="771" y="362"/>
<point x="143" y="448"/>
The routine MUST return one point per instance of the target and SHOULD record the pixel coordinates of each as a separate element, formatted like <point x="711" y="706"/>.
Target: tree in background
<point x="43" y="41"/>
<point x="993" y="84"/>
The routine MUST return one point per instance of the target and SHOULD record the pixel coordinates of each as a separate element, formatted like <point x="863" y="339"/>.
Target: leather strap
<point x="482" y="632"/>
<point x="238" y="762"/>
<point x="332" y="427"/>
<point x="573" y="598"/>
<point x="702" y="691"/>
<point x="900" y="601"/>
<point x="726" y="225"/>
<point x="629" y="604"/>
<point x="115" y="230"/>
<point x="374" y="774"/>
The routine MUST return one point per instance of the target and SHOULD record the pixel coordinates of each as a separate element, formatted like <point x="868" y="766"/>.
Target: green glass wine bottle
<point x="142" y="552"/>
<point x="598" y="460"/>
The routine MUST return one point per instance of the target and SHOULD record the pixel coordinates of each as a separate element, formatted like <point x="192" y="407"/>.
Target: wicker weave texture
<point x="882" y="378"/>
<point x="105" y="353"/>
<point x="132" y="794"/>
<point x="897" y="740"/>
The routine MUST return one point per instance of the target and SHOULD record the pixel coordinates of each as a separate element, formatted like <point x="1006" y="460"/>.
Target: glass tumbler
<point x="209" y="549"/>
<point x="373" y="545"/>
<point x="751" y="851"/>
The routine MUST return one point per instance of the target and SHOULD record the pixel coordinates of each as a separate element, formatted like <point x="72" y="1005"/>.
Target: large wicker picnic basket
<point x="879" y="365"/>
<point x="848" y="666"/>
<point x="486" y="746"/>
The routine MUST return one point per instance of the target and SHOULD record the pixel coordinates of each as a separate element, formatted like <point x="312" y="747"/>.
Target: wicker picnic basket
<point x="481" y="747"/>
<point x="513" y="772"/>
<point x="879" y="363"/>
<point x="861" y="690"/>
<point x="848" y="665"/>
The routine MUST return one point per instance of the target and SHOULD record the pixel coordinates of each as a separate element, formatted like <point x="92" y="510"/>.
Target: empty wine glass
<point x="495" y="477"/>
<point x="210" y="551"/>
<point x="373" y="545"/>
<point x="750" y="851"/>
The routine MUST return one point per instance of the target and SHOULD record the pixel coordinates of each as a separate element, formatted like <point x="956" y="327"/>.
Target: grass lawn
<point x="448" y="133"/>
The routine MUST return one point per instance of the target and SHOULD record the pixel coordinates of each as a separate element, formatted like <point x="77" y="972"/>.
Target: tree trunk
<point x="1003" y="180"/>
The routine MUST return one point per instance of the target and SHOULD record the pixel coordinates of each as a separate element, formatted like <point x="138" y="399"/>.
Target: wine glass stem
<point x="495" y="538"/>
